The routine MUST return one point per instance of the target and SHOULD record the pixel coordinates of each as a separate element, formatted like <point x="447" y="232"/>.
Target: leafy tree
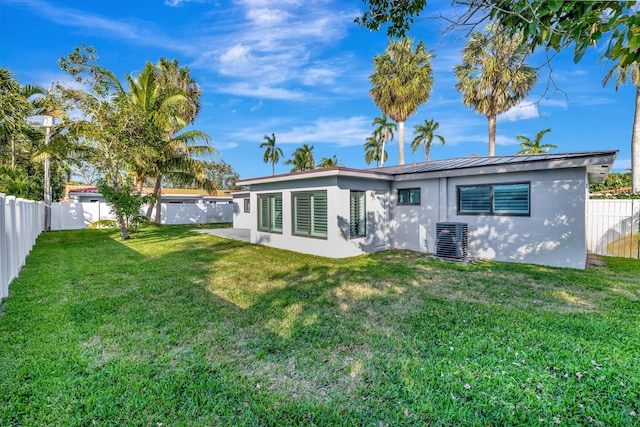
<point x="137" y="129"/>
<point x="398" y="14"/>
<point x="493" y="76"/>
<point x="302" y="159"/>
<point x="272" y="154"/>
<point x="535" y="146"/>
<point x="373" y="151"/>
<point x="630" y="73"/>
<point x="18" y="182"/>
<point x="402" y="81"/>
<point x="222" y="175"/>
<point x="383" y="131"/>
<point x="125" y="205"/>
<point x="613" y="181"/>
<point x="424" y="134"/>
<point x="552" y="24"/>
<point x="329" y="162"/>
<point x="112" y="130"/>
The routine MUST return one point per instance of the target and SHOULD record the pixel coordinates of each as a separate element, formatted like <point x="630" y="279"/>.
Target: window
<point x="502" y="199"/>
<point x="357" y="214"/>
<point x="270" y="212"/>
<point x="310" y="213"/>
<point x="247" y="205"/>
<point x="409" y="196"/>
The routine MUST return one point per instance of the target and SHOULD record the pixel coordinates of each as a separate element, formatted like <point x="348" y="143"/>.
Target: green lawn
<point x="177" y="328"/>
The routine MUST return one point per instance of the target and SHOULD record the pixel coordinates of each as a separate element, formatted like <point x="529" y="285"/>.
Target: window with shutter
<point x="310" y="214"/>
<point x="499" y="199"/>
<point x="270" y="212"/>
<point x="357" y="214"/>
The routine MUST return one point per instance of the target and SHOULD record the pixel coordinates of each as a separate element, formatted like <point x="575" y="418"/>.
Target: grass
<point x="179" y="328"/>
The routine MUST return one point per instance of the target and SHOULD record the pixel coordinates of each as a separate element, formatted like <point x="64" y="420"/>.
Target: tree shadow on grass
<point x="217" y="328"/>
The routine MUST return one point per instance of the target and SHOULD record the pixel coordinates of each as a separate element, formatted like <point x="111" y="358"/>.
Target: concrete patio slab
<point x="241" y="234"/>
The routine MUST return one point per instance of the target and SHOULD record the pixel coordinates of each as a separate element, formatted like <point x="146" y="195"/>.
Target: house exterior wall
<point x="413" y="227"/>
<point x="338" y="243"/>
<point x="242" y="219"/>
<point x="553" y="234"/>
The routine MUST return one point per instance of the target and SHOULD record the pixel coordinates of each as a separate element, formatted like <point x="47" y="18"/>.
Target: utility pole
<point x="47" y="122"/>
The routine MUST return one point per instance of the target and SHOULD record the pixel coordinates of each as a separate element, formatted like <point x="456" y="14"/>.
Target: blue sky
<point x="301" y="70"/>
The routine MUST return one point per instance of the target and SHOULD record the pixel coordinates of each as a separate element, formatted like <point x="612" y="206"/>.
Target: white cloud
<point x="522" y="111"/>
<point x="259" y="91"/>
<point x="267" y="17"/>
<point x="351" y="131"/>
<point x="178" y="3"/>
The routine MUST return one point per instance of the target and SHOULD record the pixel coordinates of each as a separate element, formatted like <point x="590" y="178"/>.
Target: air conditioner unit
<point x="452" y="239"/>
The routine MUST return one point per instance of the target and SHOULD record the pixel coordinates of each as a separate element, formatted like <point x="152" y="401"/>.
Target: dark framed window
<point x="247" y="205"/>
<point x="309" y="214"/>
<point x="495" y="199"/>
<point x="357" y="214"/>
<point x="409" y="196"/>
<point x="270" y="212"/>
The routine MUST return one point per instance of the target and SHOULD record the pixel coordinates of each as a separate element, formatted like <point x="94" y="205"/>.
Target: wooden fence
<point x="613" y="227"/>
<point x="21" y="222"/>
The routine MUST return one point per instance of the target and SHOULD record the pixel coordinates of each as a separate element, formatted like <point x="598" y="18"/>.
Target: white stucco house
<point x="527" y="208"/>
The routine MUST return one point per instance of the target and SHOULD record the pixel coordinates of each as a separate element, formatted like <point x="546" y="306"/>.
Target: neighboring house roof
<point x="598" y="164"/>
<point x="92" y="189"/>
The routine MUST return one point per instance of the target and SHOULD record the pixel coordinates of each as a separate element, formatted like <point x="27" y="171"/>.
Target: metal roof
<point x="474" y="162"/>
<point x="598" y="164"/>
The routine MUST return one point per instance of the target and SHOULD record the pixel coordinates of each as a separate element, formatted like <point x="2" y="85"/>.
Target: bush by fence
<point x="21" y="222"/>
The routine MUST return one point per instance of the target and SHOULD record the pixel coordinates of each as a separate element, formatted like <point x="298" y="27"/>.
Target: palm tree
<point x="535" y="146"/>
<point x="15" y="107"/>
<point x="271" y="153"/>
<point x="493" y="76"/>
<point x="373" y="151"/>
<point x="167" y="99"/>
<point x="402" y="81"/>
<point x="384" y="133"/>
<point x="623" y="75"/>
<point x="302" y="159"/>
<point x="424" y="134"/>
<point x="329" y="162"/>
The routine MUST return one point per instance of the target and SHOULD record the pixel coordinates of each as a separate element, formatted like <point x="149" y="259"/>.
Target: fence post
<point x="4" y="251"/>
<point x="10" y="226"/>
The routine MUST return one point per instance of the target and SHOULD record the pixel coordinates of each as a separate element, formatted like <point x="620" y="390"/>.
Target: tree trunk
<point x="13" y="153"/>
<point x="492" y="134"/>
<point x="124" y="232"/>
<point x="427" y="151"/>
<point x="384" y="141"/>
<point x="158" y="199"/>
<point x="401" y="143"/>
<point x="156" y="192"/>
<point x="635" y="146"/>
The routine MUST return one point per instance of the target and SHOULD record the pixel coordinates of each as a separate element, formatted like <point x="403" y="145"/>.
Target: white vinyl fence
<point x="72" y="216"/>
<point x="613" y="227"/>
<point x="21" y="222"/>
